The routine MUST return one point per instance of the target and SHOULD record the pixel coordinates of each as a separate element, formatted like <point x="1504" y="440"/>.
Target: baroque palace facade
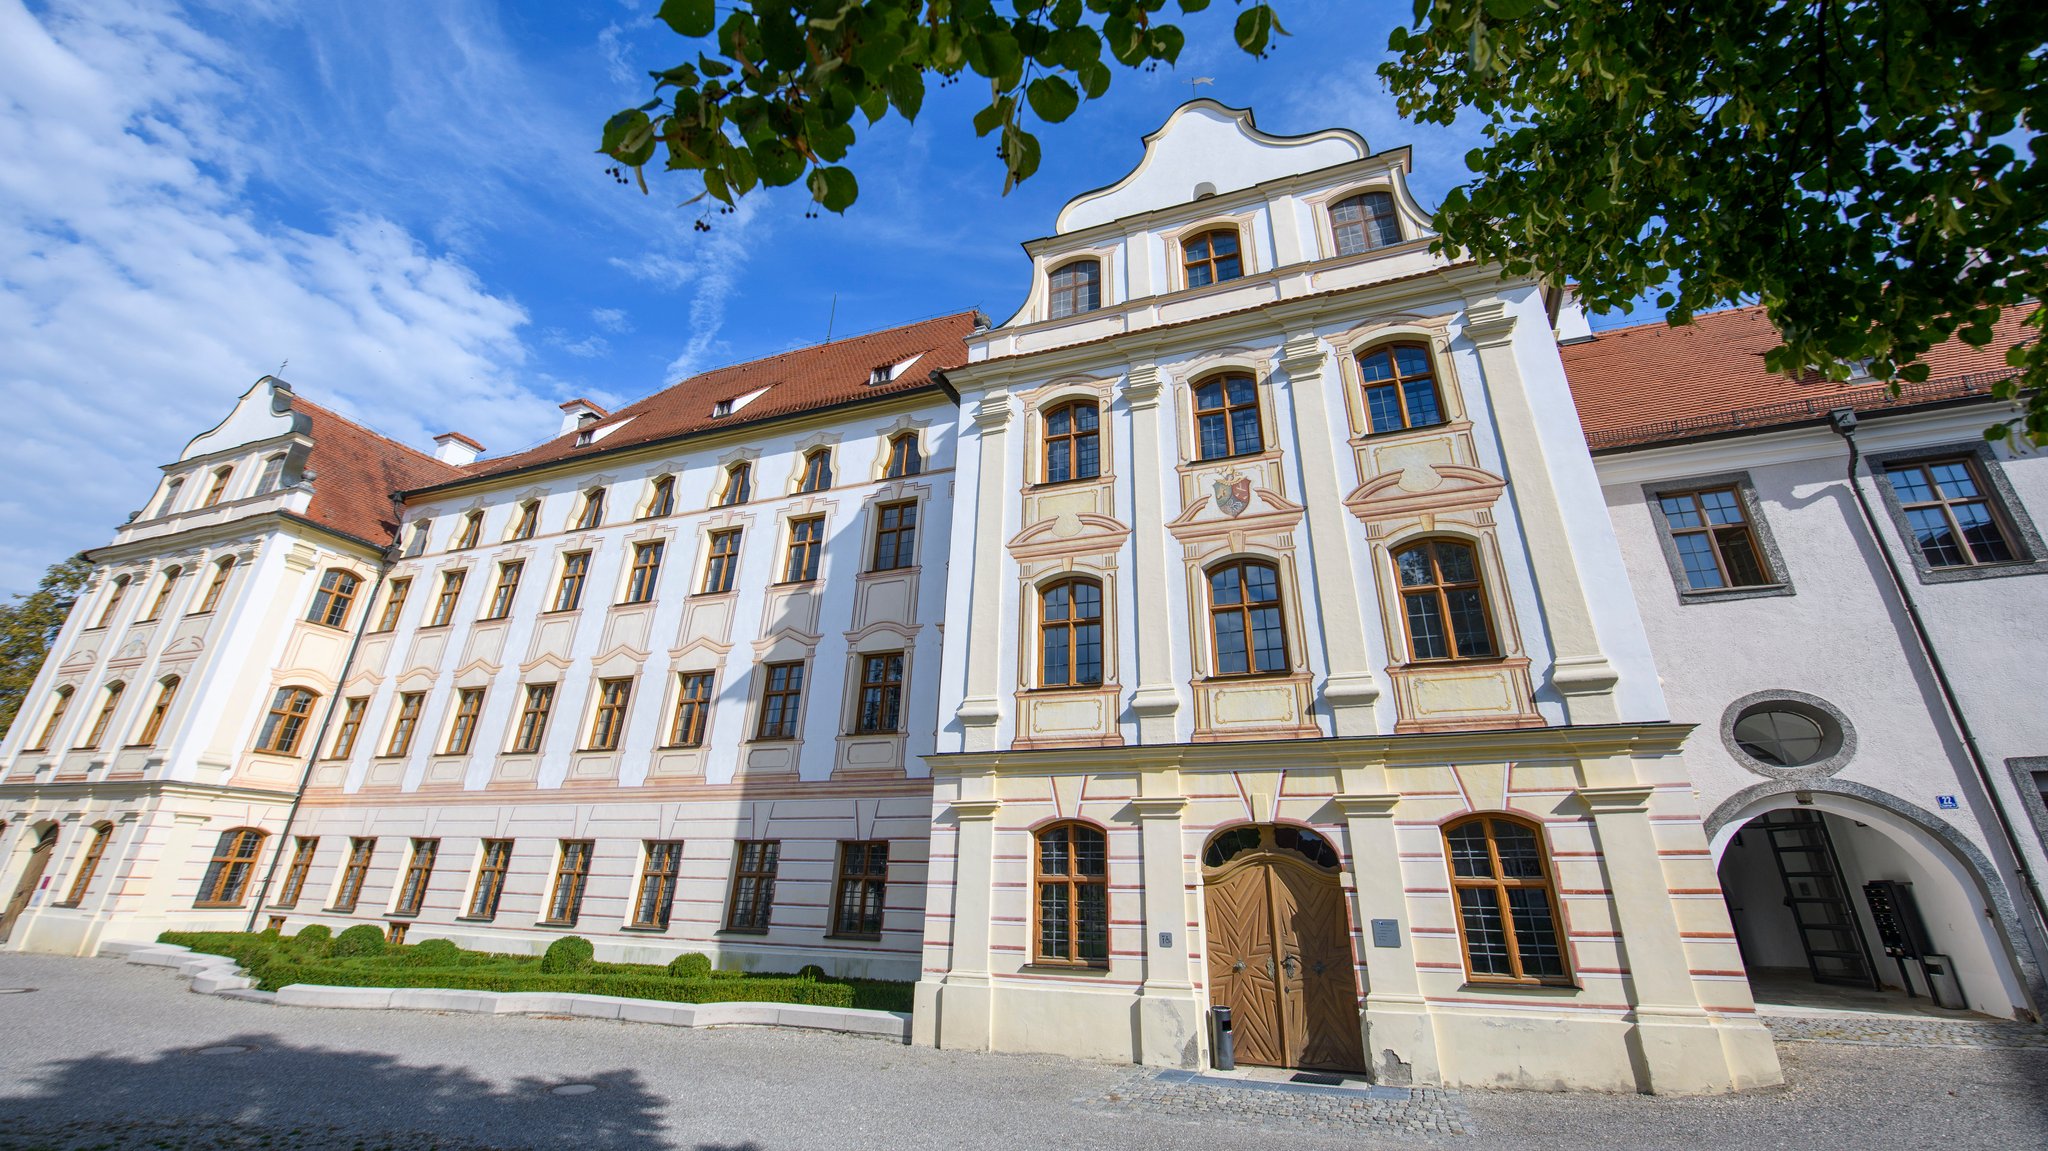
<point x="1245" y="622"/>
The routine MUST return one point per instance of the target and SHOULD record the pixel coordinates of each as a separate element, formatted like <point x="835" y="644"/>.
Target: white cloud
<point x="611" y="320"/>
<point x="140" y="292"/>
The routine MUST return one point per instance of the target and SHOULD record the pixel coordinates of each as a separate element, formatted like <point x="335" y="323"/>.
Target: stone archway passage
<point x="1279" y="945"/>
<point x="38" y="861"/>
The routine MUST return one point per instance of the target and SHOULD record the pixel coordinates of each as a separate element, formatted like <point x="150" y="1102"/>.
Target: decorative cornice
<point x="1159" y="806"/>
<point x="1366" y="806"/>
<point x="1616" y="800"/>
<point x="966" y="809"/>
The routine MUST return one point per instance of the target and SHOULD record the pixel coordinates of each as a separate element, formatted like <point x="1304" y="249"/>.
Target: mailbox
<point x="1897" y="918"/>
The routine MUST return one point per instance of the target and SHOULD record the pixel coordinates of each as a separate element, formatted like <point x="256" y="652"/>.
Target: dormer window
<point x="584" y="437"/>
<point x="1211" y="258"/>
<point x="739" y="484"/>
<point x="721" y="409"/>
<point x="221" y="476"/>
<point x="1364" y="222"/>
<point x="272" y="476"/>
<point x="878" y="375"/>
<point x="1075" y="288"/>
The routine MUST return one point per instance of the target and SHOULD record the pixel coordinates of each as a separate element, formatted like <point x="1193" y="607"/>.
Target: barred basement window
<point x="565" y="903"/>
<point x="295" y="876"/>
<point x="394" y="603"/>
<point x="895" y="536"/>
<point x="331" y="602"/>
<point x="359" y="851"/>
<point x="1507" y="911"/>
<point x="227" y="877"/>
<point x="1073" y="896"/>
<point x="753" y="884"/>
<point x="101" y="833"/>
<point x="412" y="893"/>
<point x="657" y="894"/>
<point x="723" y="566"/>
<point x="693" y="710"/>
<point x="490" y="878"/>
<point x="862" y="889"/>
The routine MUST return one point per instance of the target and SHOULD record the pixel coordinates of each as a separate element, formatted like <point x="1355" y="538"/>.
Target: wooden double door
<point x="1279" y="945"/>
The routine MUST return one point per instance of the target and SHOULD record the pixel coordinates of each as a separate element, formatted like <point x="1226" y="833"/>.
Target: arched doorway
<point x="38" y="861"/>
<point x="1279" y="944"/>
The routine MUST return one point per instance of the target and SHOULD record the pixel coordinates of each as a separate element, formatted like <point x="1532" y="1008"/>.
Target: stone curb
<point x="219" y="975"/>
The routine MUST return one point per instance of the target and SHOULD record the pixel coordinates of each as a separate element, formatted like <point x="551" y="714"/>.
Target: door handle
<point x="1293" y="965"/>
<point x="1238" y="966"/>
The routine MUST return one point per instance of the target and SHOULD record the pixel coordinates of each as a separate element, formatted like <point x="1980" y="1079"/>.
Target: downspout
<point x="320" y="739"/>
<point x="1843" y="421"/>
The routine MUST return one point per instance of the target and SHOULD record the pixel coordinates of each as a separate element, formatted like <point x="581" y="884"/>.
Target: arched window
<point x="1400" y="388"/>
<point x="1507" y="911"/>
<point x="817" y="470"/>
<point x="272" y="475"/>
<point x="661" y="498"/>
<point x="1075" y="288"/>
<point x="82" y="883"/>
<point x="159" y="710"/>
<point x="1444" y="602"/>
<point x="592" y="514"/>
<point x="1245" y="618"/>
<point x="1211" y="257"/>
<point x="527" y="521"/>
<point x="59" y="704"/>
<point x="739" y="484"/>
<point x="234" y="861"/>
<point x="331" y="602"/>
<point x="1227" y="418"/>
<point x="1073" y="442"/>
<point x="290" y="709"/>
<point x="1364" y="222"/>
<point x="110" y="701"/>
<point x="418" y="543"/>
<point x="472" y="529"/>
<point x="1070" y="633"/>
<point x="214" y="494"/>
<point x="115" y="591"/>
<point x="904" y="458"/>
<point x="169" y="503"/>
<point x="164" y="588"/>
<point x="1073" y="896"/>
<point x="221" y="571"/>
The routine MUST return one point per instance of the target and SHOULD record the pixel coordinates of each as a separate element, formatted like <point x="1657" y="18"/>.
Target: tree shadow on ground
<point x="258" y="1091"/>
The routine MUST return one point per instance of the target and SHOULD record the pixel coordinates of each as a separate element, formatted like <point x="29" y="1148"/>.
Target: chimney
<point x="578" y="413"/>
<point x="456" y="448"/>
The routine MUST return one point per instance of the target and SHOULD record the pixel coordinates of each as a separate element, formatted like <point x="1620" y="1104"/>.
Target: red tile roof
<point x="356" y="471"/>
<point x="1653" y="383"/>
<point x="806" y="379"/>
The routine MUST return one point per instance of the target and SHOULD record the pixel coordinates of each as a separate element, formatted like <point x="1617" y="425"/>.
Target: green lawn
<point x="359" y="957"/>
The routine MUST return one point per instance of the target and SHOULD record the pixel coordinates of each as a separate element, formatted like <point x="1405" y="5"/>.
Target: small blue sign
<point x="1946" y="802"/>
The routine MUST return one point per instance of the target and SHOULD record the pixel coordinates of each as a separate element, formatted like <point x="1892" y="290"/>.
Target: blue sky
<point x="402" y="200"/>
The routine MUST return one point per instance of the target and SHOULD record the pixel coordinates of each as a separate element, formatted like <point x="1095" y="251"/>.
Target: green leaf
<point x="906" y="90"/>
<point x="1052" y="98"/>
<point x="1509" y="9"/>
<point x="688" y="17"/>
<point x="834" y="188"/>
<point x="629" y="138"/>
<point x="1255" y="29"/>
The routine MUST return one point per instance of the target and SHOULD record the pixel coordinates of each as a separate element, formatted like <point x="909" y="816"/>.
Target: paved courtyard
<point x="106" y="1055"/>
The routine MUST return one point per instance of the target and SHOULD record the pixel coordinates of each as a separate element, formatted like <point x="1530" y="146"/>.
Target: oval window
<point x="1780" y="737"/>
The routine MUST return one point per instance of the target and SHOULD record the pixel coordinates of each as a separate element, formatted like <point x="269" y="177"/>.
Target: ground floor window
<point x="412" y="894"/>
<point x="565" y="903"/>
<point x="359" y="851"/>
<point x="295" y="877"/>
<point x="1507" y="910"/>
<point x="657" y="894"/>
<point x="227" y="876"/>
<point x="490" y="878"/>
<point x="863" y="884"/>
<point x="1073" y="896"/>
<point x="753" y="884"/>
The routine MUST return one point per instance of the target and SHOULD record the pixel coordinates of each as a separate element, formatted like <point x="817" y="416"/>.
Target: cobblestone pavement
<point x="1905" y="1031"/>
<point x="104" y="1056"/>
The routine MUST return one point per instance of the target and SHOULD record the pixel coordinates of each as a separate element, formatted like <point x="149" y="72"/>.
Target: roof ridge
<point x="806" y="348"/>
<point x="1668" y="325"/>
<point x="370" y="431"/>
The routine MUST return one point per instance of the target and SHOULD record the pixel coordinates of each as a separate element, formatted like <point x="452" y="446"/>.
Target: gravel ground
<point x="106" y="1055"/>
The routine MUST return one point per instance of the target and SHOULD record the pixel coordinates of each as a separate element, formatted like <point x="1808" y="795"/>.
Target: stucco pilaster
<point x="964" y="1001"/>
<point x="1169" y="1027"/>
<point x="1157" y="700"/>
<point x="1580" y="671"/>
<point x="1351" y="689"/>
<point x="981" y="710"/>
<point x="1400" y="1037"/>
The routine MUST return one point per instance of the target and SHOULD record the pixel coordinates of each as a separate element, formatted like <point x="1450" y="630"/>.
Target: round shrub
<point x="362" y="939"/>
<point x="433" y="953"/>
<point x="314" y="935"/>
<point x="690" y="965"/>
<point x="811" y="971"/>
<point x="569" y="954"/>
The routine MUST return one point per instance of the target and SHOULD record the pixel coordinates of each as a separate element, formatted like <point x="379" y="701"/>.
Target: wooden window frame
<point x="447" y="599"/>
<point x="1071" y="881"/>
<point x="335" y="596"/>
<point x="693" y="708"/>
<point x="591" y="516"/>
<point x="1071" y="626"/>
<point x="572" y="868"/>
<point x="1369" y="238"/>
<point x="1440" y="588"/>
<point x="506" y="591"/>
<point x="1713" y="533"/>
<point x="303" y="849"/>
<point x="223" y="569"/>
<point x="1065" y="300"/>
<point x="527" y="522"/>
<point x="218" y="490"/>
<point x="81" y="884"/>
<point x="117" y="590"/>
<point x="394" y="605"/>
<point x="569" y="585"/>
<point x="1072" y="439"/>
<point x="1399" y="383"/>
<point x="860" y="887"/>
<point x="159" y="711"/>
<point x="608" y="717"/>
<point x="1987" y="495"/>
<point x="660" y="871"/>
<point x="722" y="562"/>
<point x="1228" y="411"/>
<point x="739" y="484"/>
<point x="885" y="690"/>
<point x="661" y="498"/>
<point x="419" y="874"/>
<point x="60" y="703"/>
<point x="470" y="533"/>
<point x="271" y="477"/>
<point x="353" y="709"/>
<point x="226" y="882"/>
<point x="492" y="865"/>
<point x="1243" y="610"/>
<point x="405" y="723"/>
<point x="785" y="702"/>
<point x="895" y="533"/>
<point x="361" y="849"/>
<point x="645" y="572"/>
<point x="806" y="551"/>
<point x="1188" y="263"/>
<point x="906" y="457"/>
<point x="469" y="714"/>
<point x="291" y="711"/>
<point x="169" y="503"/>
<point x="1500" y="886"/>
<point x="817" y="475"/>
<point x="164" y="589"/>
<point x="103" y="720"/>
<point x="754" y="913"/>
<point x="530" y="733"/>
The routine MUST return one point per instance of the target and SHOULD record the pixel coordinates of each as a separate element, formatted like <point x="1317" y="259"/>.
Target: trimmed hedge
<point x="568" y="955"/>
<point x="690" y="965"/>
<point x="362" y="939"/>
<point x="432" y="953"/>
